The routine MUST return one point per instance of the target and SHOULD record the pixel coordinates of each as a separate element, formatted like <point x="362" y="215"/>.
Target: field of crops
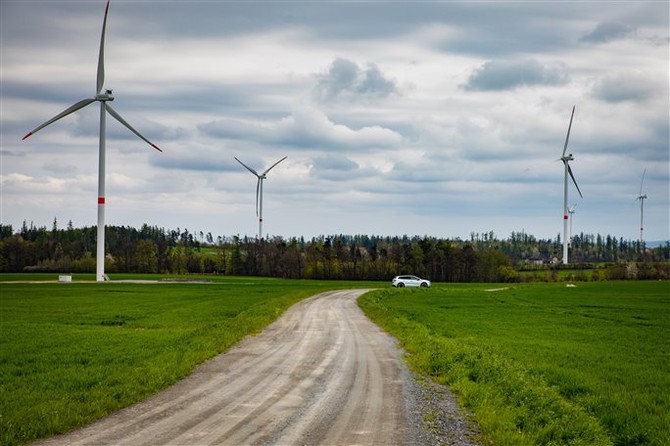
<point x="71" y="353"/>
<point x="543" y="364"/>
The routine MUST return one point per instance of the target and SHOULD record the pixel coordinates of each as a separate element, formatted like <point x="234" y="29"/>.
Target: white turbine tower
<point x="568" y="171"/>
<point x="105" y="108"/>
<point x="259" y="192"/>
<point x="642" y="198"/>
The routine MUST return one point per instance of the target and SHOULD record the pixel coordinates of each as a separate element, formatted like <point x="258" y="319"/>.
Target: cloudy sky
<point x="419" y="118"/>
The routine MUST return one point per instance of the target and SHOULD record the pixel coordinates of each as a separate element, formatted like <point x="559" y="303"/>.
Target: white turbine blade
<point x="123" y="121"/>
<point x="642" y="182"/>
<point x="269" y="168"/>
<point x="248" y="168"/>
<point x="574" y="181"/>
<point x="81" y="104"/>
<point x="567" y="137"/>
<point x="101" y="55"/>
<point x="258" y="192"/>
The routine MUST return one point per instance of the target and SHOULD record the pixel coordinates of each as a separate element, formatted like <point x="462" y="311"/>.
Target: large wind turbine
<point x="642" y="198"/>
<point x="568" y="171"/>
<point x="259" y="193"/>
<point x="105" y="108"/>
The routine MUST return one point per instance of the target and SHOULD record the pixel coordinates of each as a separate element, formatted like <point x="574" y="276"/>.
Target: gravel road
<point x="321" y="374"/>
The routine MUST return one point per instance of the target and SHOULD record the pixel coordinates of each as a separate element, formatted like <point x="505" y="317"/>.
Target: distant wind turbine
<point x="259" y="192"/>
<point x="571" y="211"/>
<point x="642" y="198"/>
<point x="568" y="171"/>
<point x="103" y="98"/>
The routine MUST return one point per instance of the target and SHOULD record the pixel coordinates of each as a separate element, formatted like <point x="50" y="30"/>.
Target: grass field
<point x="543" y="364"/>
<point x="536" y="364"/>
<point x="72" y="353"/>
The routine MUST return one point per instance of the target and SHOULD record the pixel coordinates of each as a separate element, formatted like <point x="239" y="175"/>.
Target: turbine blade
<point x="574" y="181"/>
<point x="258" y="192"/>
<point x="269" y="168"/>
<point x="248" y="168"/>
<point x="101" y="55"/>
<point x="567" y="137"/>
<point x="81" y="104"/>
<point x="642" y="182"/>
<point x="123" y="121"/>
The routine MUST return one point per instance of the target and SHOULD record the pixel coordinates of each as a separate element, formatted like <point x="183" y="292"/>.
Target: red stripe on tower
<point x="101" y="200"/>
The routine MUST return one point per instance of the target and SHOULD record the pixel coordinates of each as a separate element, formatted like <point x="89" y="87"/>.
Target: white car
<point x="403" y="281"/>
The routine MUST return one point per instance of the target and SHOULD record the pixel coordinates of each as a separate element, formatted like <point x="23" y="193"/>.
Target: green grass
<point x="72" y="353"/>
<point x="543" y="364"/>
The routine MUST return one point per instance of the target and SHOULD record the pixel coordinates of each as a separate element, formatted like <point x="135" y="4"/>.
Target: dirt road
<point x="322" y="374"/>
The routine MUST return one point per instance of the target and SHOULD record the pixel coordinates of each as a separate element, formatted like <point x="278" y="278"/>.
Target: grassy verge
<point x="543" y="364"/>
<point x="72" y="353"/>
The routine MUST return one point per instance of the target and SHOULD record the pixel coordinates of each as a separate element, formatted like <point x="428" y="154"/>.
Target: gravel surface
<point x="321" y="374"/>
<point x="436" y="416"/>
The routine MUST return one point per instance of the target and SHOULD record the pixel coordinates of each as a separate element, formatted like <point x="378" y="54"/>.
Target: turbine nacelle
<point x="104" y="97"/>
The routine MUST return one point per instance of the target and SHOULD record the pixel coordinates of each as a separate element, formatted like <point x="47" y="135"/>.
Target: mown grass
<point x="543" y="364"/>
<point x="72" y="353"/>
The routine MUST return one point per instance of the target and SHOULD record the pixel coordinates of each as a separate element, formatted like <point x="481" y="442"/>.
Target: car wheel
<point x="424" y="285"/>
<point x="401" y="285"/>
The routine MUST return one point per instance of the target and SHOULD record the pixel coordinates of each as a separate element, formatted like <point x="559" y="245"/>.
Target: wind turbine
<point x="571" y="211"/>
<point x="105" y="108"/>
<point x="259" y="192"/>
<point x="568" y="171"/>
<point x="642" y="198"/>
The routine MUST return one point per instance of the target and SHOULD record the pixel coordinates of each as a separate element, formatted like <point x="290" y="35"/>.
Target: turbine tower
<point x="568" y="171"/>
<point x="105" y="108"/>
<point x="642" y="197"/>
<point x="259" y="192"/>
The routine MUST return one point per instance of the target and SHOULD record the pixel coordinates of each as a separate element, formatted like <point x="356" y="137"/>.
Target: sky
<point x="439" y="118"/>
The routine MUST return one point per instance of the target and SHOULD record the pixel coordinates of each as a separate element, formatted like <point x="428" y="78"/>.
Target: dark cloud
<point x="607" y="32"/>
<point x="307" y="128"/>
<point x="338" y="167"/>
<point x="623" y="87"/>
<point x="334" y="162"/>
<point x="507" y="75"/>
<point x="334" y="168"/>
<point x="206" y="159"/>
<point x="346" y="80"/>
<point x="60" y="168"/>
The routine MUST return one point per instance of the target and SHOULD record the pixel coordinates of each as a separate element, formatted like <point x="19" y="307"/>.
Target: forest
<point x="482" y="258"/>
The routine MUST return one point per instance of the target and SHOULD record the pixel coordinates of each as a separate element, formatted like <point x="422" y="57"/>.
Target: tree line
<point x="482" y="258"/>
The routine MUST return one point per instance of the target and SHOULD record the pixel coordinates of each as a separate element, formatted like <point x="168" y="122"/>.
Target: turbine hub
<point x="104" y="97"/>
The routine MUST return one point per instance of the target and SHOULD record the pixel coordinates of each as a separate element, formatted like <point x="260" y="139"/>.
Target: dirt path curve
<point x="321" y="374"/>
